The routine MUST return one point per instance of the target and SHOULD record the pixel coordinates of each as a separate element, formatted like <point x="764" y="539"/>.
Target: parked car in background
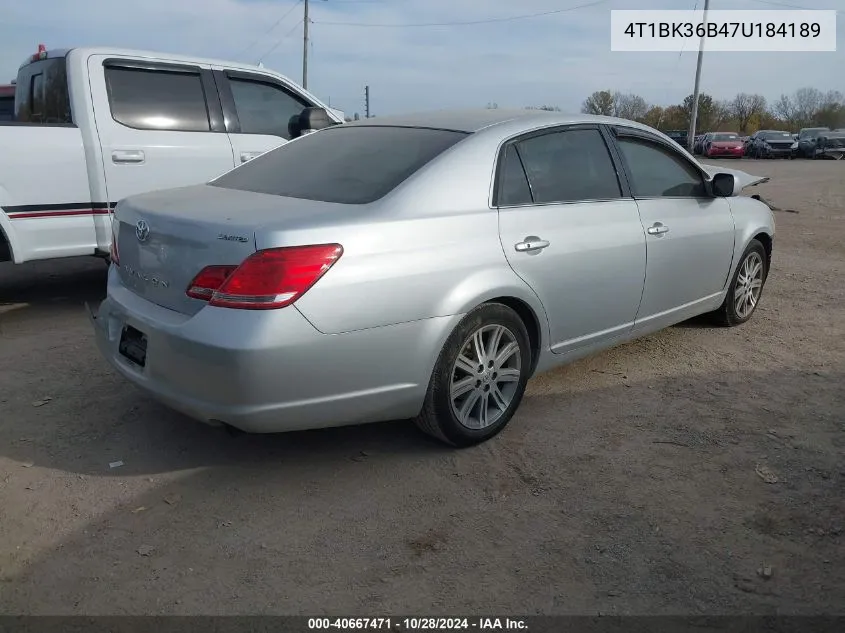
<point x="830" y="145"/>
<point x="724" y="144"/>
<point x="679" y="136"/>
<point x="422" y="266"/>
<point x="807" y="140"/>
<point x="100" y="124"/>
<point x="770" y="144"/>
<point x="7" y="102"/>
<point x="698" y="144"/>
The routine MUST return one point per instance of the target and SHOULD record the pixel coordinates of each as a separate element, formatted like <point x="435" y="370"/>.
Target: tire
<point x="728" y="314"/>
<point x="439" y="416"/>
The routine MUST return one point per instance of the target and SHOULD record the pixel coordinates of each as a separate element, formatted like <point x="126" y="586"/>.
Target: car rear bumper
<point x="270" y="370"/>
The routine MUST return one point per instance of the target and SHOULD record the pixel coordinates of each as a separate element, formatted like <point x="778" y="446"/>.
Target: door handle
<point x="531" y="244"/>
<point x="248" y="156"/>
<point x="127" y="156"/>
<point x="657" y="229"/>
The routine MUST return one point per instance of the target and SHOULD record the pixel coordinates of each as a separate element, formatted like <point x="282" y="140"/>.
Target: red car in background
<point x="726" y="144"/>
<point x="7" y="103"/>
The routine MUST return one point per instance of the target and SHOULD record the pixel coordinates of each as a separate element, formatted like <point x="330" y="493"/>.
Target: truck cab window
<point x="264" y="108"/>
<point x="157" y="99"/>
<point x="43" y="97"/>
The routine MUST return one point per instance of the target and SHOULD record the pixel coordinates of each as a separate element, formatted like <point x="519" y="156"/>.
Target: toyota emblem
<point x="142" y="231"/>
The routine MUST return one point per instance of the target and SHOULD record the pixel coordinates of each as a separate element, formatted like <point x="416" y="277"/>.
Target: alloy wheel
<point x="485" y="376"/>
<point x="749" y="285"/>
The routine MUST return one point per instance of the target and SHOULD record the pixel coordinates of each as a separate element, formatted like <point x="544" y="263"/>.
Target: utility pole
<point x="695" y="92"/>
<point x="366" y="102"/>
<point x="305" y="48"/>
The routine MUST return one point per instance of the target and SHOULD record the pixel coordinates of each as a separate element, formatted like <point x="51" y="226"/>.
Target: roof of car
<point x="478" y="119"/>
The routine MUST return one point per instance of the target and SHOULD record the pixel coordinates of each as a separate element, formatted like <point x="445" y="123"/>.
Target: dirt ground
<point x="625" y="484"/>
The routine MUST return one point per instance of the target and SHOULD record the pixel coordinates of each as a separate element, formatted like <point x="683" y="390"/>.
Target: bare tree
<point x="721" y="114"/>
<point x="745" y="106"/>
<point x="629" y="106"/>
<point x="547" y="108"/>
<point x="786" y="110"/>
<point x="600" y="102"/>
<point x="808" y="101"/>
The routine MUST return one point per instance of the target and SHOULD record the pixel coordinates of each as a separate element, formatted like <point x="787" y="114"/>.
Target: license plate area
<point x="133" y="345"/>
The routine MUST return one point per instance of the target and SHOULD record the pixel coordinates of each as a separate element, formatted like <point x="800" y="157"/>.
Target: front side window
<point x="659" y="172"/>
<point x="264" y="108"/>
<point x="157" y="99"/>
<point x="42" y="94"/>
<point x="569" y="166"/>
<point x="355" y="164"/>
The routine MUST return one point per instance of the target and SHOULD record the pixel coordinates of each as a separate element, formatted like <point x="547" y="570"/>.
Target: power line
<point x="280" y="40"/>
<point x="792" y="6"/>
<point x="675" y="71"/>
<point x="268" y="31"/>
<point x="465" y="23"/>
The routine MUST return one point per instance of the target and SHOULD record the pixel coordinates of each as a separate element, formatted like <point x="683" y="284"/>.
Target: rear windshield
<point x="725" y="137"/>
<point x="776" y="135"/>
<point x="349" y="165"/>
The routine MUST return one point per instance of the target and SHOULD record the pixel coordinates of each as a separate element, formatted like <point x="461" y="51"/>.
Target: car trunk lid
<point x="190" y="228"/>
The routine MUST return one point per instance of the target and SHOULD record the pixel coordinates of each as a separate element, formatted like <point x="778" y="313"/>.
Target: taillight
<point x="272" y="278"/>
<point x="208" y="280"/>
<point x="114" y="256"/>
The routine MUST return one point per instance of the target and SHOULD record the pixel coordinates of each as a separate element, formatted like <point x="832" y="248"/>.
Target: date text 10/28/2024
<point x="418" y="624"/>
<point x="724" y="31"/>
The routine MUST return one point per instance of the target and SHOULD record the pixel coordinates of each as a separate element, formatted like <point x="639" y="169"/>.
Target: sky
<point x="556" y="59"/>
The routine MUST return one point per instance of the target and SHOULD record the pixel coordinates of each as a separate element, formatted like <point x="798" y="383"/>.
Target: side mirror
<point x="309" y="120"/>
<point x="723" y="185"/>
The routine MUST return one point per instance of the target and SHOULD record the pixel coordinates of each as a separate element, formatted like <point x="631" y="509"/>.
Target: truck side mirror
<point x="309" y="120"/>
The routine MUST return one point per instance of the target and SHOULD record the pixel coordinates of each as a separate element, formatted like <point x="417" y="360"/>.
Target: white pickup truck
<point x="92" y="126"/>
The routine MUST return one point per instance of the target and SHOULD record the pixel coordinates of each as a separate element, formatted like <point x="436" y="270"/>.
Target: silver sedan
<point x="422" y="267"/>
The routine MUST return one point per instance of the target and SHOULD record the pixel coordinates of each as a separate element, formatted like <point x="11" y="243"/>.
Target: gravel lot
<point x="625" y="484"/>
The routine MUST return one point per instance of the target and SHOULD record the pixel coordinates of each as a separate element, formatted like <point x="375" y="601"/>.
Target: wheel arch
<point x="7" y="251"/>
<point x="532" y="324"/>
<point x="768" y="242"/>
<point x="505" y="287"/>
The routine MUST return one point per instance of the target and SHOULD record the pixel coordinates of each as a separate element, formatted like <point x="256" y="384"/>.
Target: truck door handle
<point x="657" y="229"/>
<point x="127" y="156"/>
<point x="248" y="156"/>
<point x="531" y="244"/>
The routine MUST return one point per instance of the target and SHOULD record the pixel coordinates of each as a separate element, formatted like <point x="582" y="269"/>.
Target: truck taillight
<point x="114" y="257"/>
<point x="271" y="278"/>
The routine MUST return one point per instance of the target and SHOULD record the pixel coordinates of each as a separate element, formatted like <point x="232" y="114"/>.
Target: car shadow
<point x="577" y="506"/>
<point x="31" y="289"/>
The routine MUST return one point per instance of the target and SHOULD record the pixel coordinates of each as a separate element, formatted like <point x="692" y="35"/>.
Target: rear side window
<point x="657" y="171"/>
<point x="7" y="108"/>
<point x="514" y="189"/>
<point x="569" y="166"/>
<point x="157" y="99"/>
<point x="264" y="108"/>
<point x="41" y="94"/>
<point x="345" y="164"/>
